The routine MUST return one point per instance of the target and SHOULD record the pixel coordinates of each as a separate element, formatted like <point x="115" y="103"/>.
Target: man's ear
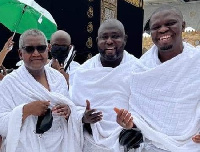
<point x="20" y="54"/>
<point x="97" y="39"/>
<point x="49" y="47"/>
<point x="183" y="26"/>
<point x="125" y="39"/>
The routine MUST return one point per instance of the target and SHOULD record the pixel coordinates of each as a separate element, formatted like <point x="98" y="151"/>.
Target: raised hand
<point x="62" y="110"/>
<point x="55" y="64"/>
<point x="124" y="118"/>
<point x="7" y="48"/>
<point x="8" y="45"/>
<point x="90" y="115"/>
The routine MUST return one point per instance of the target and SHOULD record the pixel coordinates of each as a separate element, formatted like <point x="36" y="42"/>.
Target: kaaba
<point x="81" y="19"/>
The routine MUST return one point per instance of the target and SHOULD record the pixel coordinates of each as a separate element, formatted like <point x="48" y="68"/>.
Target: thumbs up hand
<point x="90" y="115"/>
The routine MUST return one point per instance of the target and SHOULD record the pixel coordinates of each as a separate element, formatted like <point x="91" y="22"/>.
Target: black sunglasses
<point x="31" y="49"/>
<point x="60" y="47"/>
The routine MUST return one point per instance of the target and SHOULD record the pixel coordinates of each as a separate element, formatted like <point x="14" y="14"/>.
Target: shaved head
<point x="168" y="7"/>
<point x="112" y="23"/>
<point x="60" y="34"/>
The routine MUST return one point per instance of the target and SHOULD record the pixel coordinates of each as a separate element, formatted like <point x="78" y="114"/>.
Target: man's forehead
<point x="60" y="40"/>
<point x="171" y="11"/>
<point x="33" y="38"/>
<point x="165" y="14"/>
<point x="110" y="29"/>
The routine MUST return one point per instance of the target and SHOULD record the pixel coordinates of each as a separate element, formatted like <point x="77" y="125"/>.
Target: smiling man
<point x="166" y="27"/>
<point x="164" y="101"/>
<point x="104" y="82"/>
<point x="28" y="93"/>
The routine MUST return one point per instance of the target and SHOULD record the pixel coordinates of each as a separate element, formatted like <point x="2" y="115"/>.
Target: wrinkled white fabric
<point x="165" y="101"/>
<point x="70" y="70"/>
<point x="105" y="88"/>
<point x="19" y="88"/>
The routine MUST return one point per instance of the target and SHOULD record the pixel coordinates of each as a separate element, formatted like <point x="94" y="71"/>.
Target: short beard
<point x="165" y="48"/>
<point x="110" y="61"/>
<point x="109" y="58"/>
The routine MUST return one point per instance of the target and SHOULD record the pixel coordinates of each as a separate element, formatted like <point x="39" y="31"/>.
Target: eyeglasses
<point x="31" y="49"/>
<point x="60" y="47"/>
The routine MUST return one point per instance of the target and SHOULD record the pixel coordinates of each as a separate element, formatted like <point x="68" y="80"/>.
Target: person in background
<point x="28" y="93"/>
<point x="61" y="49"/>
<point x="164" y="102"/>
<point x="6" y="49"/>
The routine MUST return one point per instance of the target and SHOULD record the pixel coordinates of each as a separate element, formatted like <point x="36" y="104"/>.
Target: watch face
<point x="197" y="42"/>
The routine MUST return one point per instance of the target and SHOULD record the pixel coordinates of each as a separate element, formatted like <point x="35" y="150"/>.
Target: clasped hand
<point x="62" y="110"/>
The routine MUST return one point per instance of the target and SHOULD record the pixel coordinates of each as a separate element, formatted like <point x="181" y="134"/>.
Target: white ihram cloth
<point x="105" y="88"/>
<point x="19" y="88"/>
<point x="165" y="101"/>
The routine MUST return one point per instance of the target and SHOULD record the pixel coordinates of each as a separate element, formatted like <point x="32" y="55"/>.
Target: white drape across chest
<point x="165" y="100"/>
<point x="20" y="88"/>
<point x="105" y="88"/>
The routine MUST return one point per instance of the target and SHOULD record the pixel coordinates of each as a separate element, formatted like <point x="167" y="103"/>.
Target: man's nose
<point x="163" y="29"/>
<point x="109" y="40"/>
<point x="35" y="52"/>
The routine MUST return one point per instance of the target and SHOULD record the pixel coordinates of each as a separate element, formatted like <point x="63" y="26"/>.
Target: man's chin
<point x="110" y="58"/>
<point x="166" y="48"/>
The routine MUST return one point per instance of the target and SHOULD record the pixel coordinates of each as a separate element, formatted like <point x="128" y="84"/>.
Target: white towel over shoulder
<point x="105" y="88"/>
<point x="19" y="88"/>
<point x="165" y="100"/>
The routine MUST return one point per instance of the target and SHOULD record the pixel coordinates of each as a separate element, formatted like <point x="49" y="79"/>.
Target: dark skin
<point x="1" y="76"/>
<point x="90" y="115"/>
<point x="166" y="29"/>
<point x="56" y="65"/>
<point x="0" y="141"/>
<point x="61" y="38"/>
<point x="111" y="41"/>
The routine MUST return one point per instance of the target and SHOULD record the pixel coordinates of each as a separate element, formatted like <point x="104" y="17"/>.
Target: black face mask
<point x="60" y="52"/>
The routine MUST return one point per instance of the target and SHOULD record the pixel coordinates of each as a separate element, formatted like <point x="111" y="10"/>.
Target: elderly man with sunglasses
<point x="62" y="53"/>
<point x="28" y="93"/>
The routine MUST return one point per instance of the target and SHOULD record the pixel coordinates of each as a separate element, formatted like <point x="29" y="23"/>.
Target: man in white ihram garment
<point x="27" y="93"/>
<point x="165" y="99"/>
<point x="102" y="83"/>
<point x="61" y="51"/>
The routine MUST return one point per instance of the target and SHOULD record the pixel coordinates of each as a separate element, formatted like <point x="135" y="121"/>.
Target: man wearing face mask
<point x="60" y="49"/>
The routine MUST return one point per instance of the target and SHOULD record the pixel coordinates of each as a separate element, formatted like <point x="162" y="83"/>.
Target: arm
<point x="55" y="64"/>
<point x="66" y="75"/>
<point x="7" y="48"/>
<point x="36" y="108"/>
<point x="1" y="76"/>
<point x="0" y="142"/>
